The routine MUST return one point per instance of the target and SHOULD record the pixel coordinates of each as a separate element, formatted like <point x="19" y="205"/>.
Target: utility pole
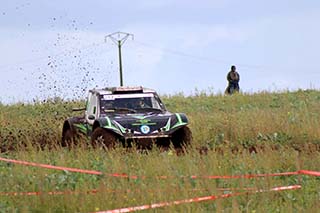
<point x="119" y="38"/>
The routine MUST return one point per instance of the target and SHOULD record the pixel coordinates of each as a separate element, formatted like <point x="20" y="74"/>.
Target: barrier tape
<point x="93" y="172"/>
<point x="245" y="176"/>
<point x="163" y="204"/>
<point x="95" y="191"/>
<point x="311" y="173"/>
<point x="196" y="200"/>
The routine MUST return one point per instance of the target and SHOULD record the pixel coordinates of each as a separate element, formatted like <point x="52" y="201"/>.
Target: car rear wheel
<point x="102" y="138"/>
<point x="68" y="138"/>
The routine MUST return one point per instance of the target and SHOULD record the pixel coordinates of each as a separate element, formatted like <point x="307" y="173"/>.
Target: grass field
<point x="243" y="134"/>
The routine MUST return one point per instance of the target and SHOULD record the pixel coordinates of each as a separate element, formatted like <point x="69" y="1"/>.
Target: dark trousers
<point x="232" y="87"/>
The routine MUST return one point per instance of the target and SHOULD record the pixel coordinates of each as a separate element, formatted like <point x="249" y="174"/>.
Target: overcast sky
<point x="58" y="48"/>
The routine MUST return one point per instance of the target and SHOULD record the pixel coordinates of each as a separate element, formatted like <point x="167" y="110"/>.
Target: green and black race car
<point x="127" y="115"/>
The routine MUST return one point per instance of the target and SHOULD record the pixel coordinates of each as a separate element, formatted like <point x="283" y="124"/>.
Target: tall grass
<point x="278" y="118"/>
<point x="283" y="129"/>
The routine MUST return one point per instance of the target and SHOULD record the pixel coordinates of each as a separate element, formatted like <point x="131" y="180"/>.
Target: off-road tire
<point x="103" y="139"/>
<point x="182" y="138"/>
<point x="68" y="138"/>
<point x="163" y="143"/>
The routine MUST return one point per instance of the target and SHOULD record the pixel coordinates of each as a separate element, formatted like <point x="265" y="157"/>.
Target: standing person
<point x="233" y="78"/>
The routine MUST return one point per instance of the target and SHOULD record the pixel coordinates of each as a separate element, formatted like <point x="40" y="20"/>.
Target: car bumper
<point x="146" y="136"/>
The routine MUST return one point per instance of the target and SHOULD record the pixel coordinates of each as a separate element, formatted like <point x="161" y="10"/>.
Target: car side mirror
<point x="91" y="117"/>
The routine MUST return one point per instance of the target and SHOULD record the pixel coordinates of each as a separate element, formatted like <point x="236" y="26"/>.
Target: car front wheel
<point x="102" y="138"/>
<point x="182" y="138"/>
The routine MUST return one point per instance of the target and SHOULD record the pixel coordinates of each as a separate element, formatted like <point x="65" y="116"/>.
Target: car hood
<point x="151" y="121"/>
<point x="143" y="123"/>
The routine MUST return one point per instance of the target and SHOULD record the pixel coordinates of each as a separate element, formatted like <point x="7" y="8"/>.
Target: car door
<point x="92" y="110"/>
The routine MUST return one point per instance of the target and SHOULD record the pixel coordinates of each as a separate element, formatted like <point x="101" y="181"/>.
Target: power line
<point x="209" y="59"/>
<point x="220" y="61"/>
<point x="168" y="50"/>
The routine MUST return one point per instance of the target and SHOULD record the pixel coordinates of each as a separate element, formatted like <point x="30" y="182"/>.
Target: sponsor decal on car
<point x="144" y="122"/>
<point x="145" y="129"/>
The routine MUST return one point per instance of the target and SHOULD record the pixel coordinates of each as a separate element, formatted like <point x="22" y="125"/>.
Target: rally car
<point x="130" y="116"/>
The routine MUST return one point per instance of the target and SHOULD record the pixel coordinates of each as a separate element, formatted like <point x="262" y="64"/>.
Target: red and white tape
<point x="310" y="173"/>
<point x="95" y="191"/>
<point x="119" y="175"/>
<point x="47" y="193"/>
<point x="47" y="166"/>
<point x="195" y="200"/>
<point x="163" y="204"/>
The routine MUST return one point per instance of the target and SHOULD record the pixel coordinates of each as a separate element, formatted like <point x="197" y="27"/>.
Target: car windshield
<point x="130" y="102"/>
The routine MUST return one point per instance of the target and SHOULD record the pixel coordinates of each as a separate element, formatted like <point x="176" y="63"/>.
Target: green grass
<point x="283" y="128"/>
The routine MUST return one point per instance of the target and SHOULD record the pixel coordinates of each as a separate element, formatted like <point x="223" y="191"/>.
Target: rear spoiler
<point x="78" y="109"/>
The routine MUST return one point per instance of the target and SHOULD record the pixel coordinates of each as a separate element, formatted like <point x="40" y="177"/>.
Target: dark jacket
<point x="233" y="77"/>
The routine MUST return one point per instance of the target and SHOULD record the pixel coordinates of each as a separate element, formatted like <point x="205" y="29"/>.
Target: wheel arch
<point x="70" y="124"/>
<point x="95" y="125"/>
<point x="178" y="121"/>
<point x="101" y="122"/>
<point x="106" y="123"/>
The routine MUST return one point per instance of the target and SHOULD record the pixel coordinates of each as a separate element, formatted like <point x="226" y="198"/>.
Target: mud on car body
<point x="127" y="115"/>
